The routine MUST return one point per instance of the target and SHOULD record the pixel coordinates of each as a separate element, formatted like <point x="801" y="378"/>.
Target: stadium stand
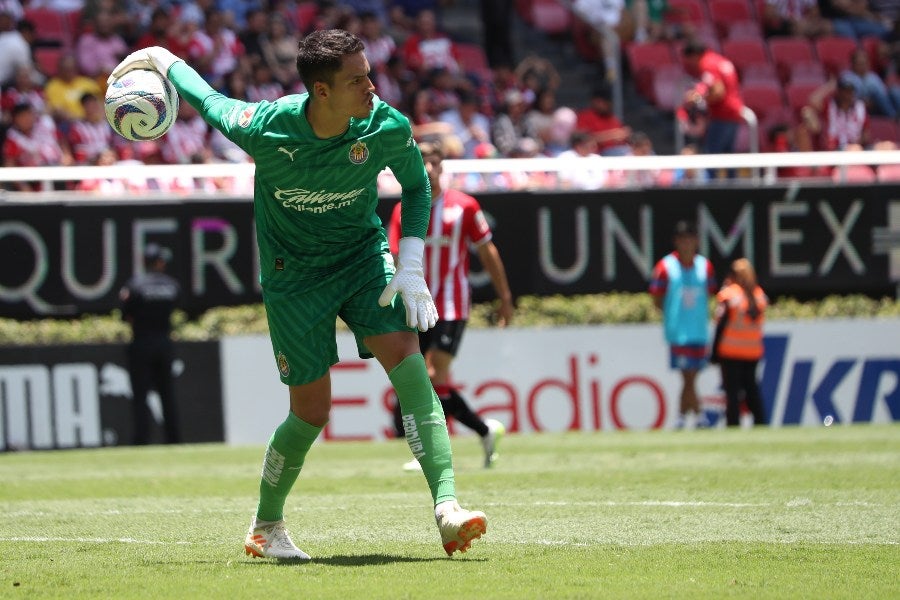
<point x="788" y="51"/>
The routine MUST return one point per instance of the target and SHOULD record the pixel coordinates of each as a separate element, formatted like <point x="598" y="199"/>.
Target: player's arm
<point x="493" y="264"/>
<point x="658" y="284"/>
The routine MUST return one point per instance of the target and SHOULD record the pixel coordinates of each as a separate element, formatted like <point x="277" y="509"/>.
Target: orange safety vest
<point x="742" y="337"/>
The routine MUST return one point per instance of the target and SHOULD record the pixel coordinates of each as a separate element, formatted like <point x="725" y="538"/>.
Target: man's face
<point x="686" y="243"/>
<point x="434" y="168"/>
<point x="353" y="91"/>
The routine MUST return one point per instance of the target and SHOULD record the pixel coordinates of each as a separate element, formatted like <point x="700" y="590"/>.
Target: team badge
<point x="283" y="366"/>
<point x="359" y="153"/>
<point x="246" y="116"/>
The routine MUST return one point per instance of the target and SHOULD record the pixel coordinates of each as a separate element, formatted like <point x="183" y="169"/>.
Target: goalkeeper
<point x="324" y="254"/>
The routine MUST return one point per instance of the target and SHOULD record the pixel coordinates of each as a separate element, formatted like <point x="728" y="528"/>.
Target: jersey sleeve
<point x="228" y="115"/>
<point x="659" y="281"/>
<point x="405" y="161"/>
<point x="712" y="285"/>
<point x="475" y="225"/>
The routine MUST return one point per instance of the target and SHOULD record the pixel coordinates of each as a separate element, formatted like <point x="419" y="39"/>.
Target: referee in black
<point x="148" y="300"/>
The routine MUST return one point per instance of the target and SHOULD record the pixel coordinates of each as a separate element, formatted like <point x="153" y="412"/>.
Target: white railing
<point x="767" y="163"/>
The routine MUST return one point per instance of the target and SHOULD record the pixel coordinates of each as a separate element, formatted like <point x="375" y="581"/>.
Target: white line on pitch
<point x="88" y="540"/>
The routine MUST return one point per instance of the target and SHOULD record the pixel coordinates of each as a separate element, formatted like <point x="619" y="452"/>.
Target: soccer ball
<point x="141" y="105"/>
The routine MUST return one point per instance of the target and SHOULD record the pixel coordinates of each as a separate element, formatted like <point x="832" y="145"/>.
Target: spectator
<point x="681" y="286"/>
<point x="100" y="48"/>
<point x="611" y="24"/>
<point x="509" y="125"/>
<point x="32" y="141"/>
<point x="536" y="74"/>
<point x="379" y="46"/>
<point x="598" y="119"/>
<point x="23" y="89"/>
<point x="395" y="82"/>
<point x="14" y="49"/>
<point x="540" y="116"/>
<point x="64" y="91"/>
<point x="649" y="20"/>
<point x="794" y="18"/>
<point x="717" y="93"/>
<point x="163" y="32"/>
<point x="185" y="142"/>
<point x="557" y="138"/>
<point x="580" y="174"/>
<point x="469" y="125"/>
<point x="279" y="47"/>
<point x="642" y="145"/>
<point x="835" y="117"/>
<point x="90" y="136"/>
<point x="690" y="176"/>
<point x="869" y="86"/>
<point x="738" y="342"/>
<point x="427" y="47"/>
<point x="148" y="300"/>
<point x="263" y="86"/>
<point x="13" y="8"/>
<point x="853" y="19"/>
<point x="252" y="35"/>
<point x="215" y="49"/>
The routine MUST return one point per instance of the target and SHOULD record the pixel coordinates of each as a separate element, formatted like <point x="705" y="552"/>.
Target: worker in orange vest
<point x="738" y="342"/>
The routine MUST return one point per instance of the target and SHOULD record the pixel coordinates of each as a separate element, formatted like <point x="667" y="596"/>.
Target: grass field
<point x="770" y="513"/>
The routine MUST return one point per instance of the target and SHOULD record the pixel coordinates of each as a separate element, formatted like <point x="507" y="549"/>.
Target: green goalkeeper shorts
<point x="302" y="315"/>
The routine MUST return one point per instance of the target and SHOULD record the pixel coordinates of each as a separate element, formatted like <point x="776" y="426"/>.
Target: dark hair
<point x="685" y="228"/>
<point x="321" y="55"/>
<point x="154" y="252"/>
<point x="693" y="48"/>
<point x="431" y="147"/>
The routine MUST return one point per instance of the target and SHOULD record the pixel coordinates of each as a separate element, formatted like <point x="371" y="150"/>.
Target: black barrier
<point x="71" y="258"/>
<point x="80" y="396"/>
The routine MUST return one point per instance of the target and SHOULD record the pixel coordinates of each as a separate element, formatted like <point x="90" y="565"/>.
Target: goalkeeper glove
<point x="409" y="282"/>
<point x="154" y="58"/>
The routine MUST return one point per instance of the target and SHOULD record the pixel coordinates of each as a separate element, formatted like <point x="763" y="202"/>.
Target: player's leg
<point x="751" y="394"/>
<point x="139" y="373"/>
<point x="732" y="380"/>
<point x="302" y="329"/>
<point x="427" y="436"/>
<point x="164" y="386"/>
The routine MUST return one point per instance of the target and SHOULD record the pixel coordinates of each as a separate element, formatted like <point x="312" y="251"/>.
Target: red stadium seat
<point x="798" y="94"/>
<point x="744" y="30"/>
<point x="471" y="57"/>
<point x="724" y="12"/>
<point x="884" y="129"/>
<point x="686" y="12"/>
<point x="887" y="172"/>
<point x="807" y="72"/>
<point x="551" y="17"/>
<point x="47" y="59"/>
<point x="643" y="59"/>
<point x="834" y="52"/>
<point x="669" y="85"/>
<point x="760" y="73"/>
<point x="787" y="51"/>
<point x="745" y="52"/>
<point x="763" y="98"/>
<point x="51" y="27"/>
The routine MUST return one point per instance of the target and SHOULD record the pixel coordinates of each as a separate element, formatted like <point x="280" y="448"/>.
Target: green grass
<point x="769" y="513"/>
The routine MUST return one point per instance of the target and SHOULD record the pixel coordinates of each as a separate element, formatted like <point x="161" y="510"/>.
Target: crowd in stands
<point x="55" y="56"/>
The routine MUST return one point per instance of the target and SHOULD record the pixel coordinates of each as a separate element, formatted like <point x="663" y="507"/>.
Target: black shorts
<point x="445" y="335"/>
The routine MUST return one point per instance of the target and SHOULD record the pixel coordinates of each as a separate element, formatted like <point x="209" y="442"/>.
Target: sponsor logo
<point x="283" y="366"/>
<point x="317" y="202"/>
<point x="290" y="153"/>
<point x="273" y="465"/>
<point x="245" y="117"/>
<point x="359" y="153"/>
<point x="412" y="436"/>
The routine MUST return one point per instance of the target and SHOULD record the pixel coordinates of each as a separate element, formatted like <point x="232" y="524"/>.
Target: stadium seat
<point x="884" y="129"/>
<point x="798" y="94"/>
<point x="683" y="12"/>
<point x="744" y="30"/>
<point x="887" y="172"/>
<point x="582" y="38"/>
<point x="760" y="73"/>
<point x="853" y="174"/>
<point x="724" y="12"/>
<point x="51" y="27"/>
<point x="763" y="98"/>
<point x="834" y="52"/>
<point x="807" y="72"/>
<point x="668" y="86"/>
<point x="745" y="52"/>
<point x="471" y="57"/>
<point x="551" y="17"/>
<point x="643" y="59"/>
<point x="787" y="51"/>
<point x="304" y="17"/>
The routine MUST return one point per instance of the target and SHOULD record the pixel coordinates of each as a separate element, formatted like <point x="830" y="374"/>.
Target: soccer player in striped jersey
<point x="324" y="253"/>
<point x="457" y="224"/>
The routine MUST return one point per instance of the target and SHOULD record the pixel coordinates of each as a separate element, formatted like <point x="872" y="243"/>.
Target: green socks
<point x="284" y="458"/>
<point x="424" y="425"/>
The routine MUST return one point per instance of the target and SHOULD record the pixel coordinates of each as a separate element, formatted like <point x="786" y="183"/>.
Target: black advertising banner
<point x="64" y="259"/>
<point x="80" y="396"/>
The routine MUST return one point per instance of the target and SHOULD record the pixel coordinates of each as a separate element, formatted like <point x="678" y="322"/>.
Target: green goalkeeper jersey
<point x="315" y="199"/>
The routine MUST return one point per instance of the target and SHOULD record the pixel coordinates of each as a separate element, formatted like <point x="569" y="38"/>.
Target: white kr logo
<point x="290" y="153"/>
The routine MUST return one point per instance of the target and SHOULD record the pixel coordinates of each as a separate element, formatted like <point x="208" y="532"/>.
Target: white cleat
<point x="270" y="539"/>
<point x="459" y="527"/>
<point x="491" y="441"/>
<point x="412" y="465"/>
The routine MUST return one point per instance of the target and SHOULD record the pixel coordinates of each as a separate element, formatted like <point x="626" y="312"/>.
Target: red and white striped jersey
<point x="89" y="139"/>
<point x="845" y="126"/>
<point x="457" y="225"/>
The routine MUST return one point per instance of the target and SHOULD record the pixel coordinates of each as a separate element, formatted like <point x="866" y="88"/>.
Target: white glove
<point x="409" y="282"/>
<point x="154" y="58"/>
